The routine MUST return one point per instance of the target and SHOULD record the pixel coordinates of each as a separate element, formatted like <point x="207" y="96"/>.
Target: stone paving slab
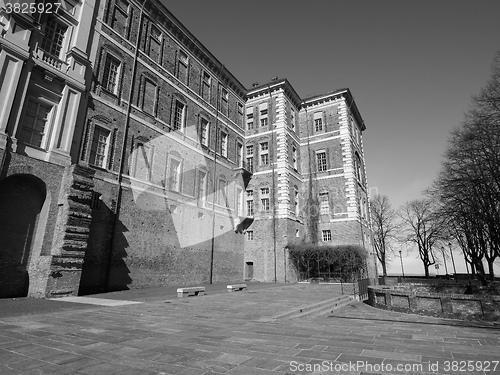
<point x="95" y="301"/>
<point x="231" y="334"/>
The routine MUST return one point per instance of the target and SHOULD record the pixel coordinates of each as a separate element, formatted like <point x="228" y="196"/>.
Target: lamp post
<point x="402" y="269"/>
<point x="452" y="260"/>
<point x="444" y="259"/>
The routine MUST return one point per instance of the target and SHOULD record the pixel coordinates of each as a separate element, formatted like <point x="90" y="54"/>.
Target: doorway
<point x="21" y="200"/>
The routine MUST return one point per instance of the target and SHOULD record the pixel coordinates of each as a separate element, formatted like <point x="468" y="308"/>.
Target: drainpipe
<point x="124" y="145"/>
<point x="214" y="178"/>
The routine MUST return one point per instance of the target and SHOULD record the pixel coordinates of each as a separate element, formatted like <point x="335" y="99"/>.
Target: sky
<point x="412" y="67"/>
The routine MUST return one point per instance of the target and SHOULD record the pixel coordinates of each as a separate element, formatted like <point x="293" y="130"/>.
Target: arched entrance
<point x="21" y="200"/>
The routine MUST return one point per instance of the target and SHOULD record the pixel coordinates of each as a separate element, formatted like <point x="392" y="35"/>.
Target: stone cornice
<point x="335" y="95"/>
<point x="272" y="86"/>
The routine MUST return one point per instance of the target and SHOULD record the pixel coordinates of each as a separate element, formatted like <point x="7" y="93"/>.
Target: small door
<point x="249" y="271"/>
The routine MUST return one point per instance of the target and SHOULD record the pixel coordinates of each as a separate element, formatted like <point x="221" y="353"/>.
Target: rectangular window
<point x="294" y="158"/>
<point x="179" y="116"/>
<point x="205" y="86"/>
<point x="250" y="235"/>
<point x="321" y="161"/>
<point x="155" y="39"/>
<point x="292" y="119"/>
<point x="202" y="188"/>
<point x="240" y="113"/>
<point x="327" y="235"/>
<point x="35" y="120"/>
<point x="264" y="159"/>
<point x="265" y="204"/>
<point x="239" y="154"/>
<point x="250" y="208"/>
<point x="324" y="203"/>
<point x="99" y="148"/>
<point x="264" y="194"/>
<point x="250" y="163"/>
<point x="296" y="203"/>
<point x="223" y="144"/>
<point x="142" y="170"/>
<point x="250" y="150"/>
<point x="264" y="153"/>
<point x="318" y="121"/>
<point x="263" y="115"/>
<point x="204" y="131"/>
<point x="119" y="20"/>
<point x="149" y="97"/>
<point x="110" y="77"/>
<point x="175" y="175"/>
<point x="53" y="39"/>
<point x="182" y="69"/>
<point x="239" y="202"/>
<point x="224" y="96"/>
<point x="222" y="195"/>
<point x="249" y="157"/>
<point x="250" y="118"/>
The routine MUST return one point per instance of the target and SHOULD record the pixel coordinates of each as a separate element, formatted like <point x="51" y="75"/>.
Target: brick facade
<point x="315" y="156"/>
<point x="140" y="173"/>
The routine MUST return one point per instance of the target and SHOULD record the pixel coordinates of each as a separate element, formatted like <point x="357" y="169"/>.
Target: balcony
<point x="51" y="60"/>
<point x="246" y="171"/>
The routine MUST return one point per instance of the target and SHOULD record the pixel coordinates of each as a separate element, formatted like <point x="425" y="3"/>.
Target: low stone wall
<point x="457" y="306"/>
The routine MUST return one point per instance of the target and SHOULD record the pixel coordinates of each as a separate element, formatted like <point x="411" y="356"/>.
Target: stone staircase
<point x="315" y="310"/>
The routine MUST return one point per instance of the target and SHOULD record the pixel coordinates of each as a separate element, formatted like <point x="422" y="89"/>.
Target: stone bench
<point x="236" y="287"/>
<point x="191" y="291"/>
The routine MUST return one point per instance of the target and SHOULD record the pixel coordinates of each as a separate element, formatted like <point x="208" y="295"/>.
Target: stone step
<point x="315" y="309"/>
<point x="324" y="311"/>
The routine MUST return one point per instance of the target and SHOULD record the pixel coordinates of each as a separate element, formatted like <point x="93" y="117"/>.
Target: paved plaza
<point x="239" y="333"/>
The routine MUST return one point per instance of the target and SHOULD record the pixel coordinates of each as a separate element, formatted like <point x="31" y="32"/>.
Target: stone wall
<point x="458" y="306"/>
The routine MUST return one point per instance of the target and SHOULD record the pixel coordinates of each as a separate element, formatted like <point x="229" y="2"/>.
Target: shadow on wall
<point x="99" y="262"/>
<point x="21" y="200"/>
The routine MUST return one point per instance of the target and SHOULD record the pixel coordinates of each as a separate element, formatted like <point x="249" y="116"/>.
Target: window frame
<point x="48" y="126"/>
<point x="224" y="138"/>
<point x="326" y="233"/>
<point x="204" y="131"/>
<point x="321" y="161"/>
<point x="105" y="160"/>
<point x="178" y="174"/>
<point x="179" y="122"/>
<point x="51" y="41"/>
<point x="105" y="81"/>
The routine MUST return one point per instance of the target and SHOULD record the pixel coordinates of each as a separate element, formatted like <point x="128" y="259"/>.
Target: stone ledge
<point x="457" y="306"/>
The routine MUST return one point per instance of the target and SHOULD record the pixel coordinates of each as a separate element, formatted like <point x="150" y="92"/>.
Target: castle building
<point x="303" y="150"/>
<point x="131" y="157"/>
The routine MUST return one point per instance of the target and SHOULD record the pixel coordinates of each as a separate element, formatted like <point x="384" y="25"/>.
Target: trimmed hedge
<point x="344" y="262"/>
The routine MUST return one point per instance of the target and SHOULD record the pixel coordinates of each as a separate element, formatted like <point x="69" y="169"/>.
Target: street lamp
<point x="444" y="259"/>
<point x="452" y="260"/>
<point x="402" y="269"/>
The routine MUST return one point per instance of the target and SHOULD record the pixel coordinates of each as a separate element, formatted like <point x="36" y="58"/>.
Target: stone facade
<point x="128" y="159"/>
<point x="45" y="213"/>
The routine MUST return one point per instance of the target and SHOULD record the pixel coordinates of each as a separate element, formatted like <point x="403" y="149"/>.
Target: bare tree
<point x="384" y="228"/>
<point x="468" y="186"/>
<point x="423" y="228"/>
